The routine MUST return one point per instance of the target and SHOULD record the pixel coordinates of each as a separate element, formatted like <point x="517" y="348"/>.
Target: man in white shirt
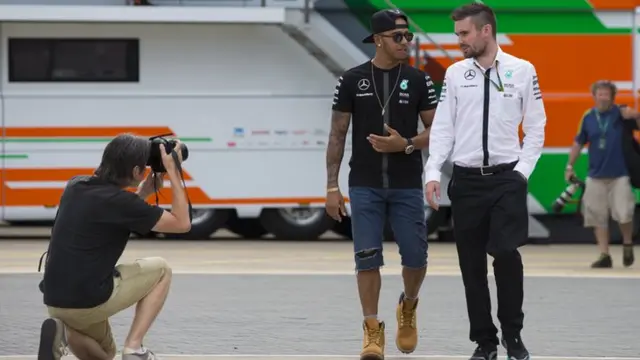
<point x="484" y="99"/>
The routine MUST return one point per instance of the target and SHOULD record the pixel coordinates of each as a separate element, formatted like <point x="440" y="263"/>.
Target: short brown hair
<point x="604" y="84"/>
<point x="481" y="14"/>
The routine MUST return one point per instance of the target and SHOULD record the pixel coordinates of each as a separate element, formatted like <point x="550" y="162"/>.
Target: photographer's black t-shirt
<point x="92" y="228"/>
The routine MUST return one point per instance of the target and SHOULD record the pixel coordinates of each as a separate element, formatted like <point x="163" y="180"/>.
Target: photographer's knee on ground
<point x="82" y="284"/>
<point x="137" y="280"/>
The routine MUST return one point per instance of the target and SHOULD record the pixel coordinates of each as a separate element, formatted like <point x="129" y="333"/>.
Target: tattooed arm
<point x="342" y="108"/>
<point x="335" y="150"/>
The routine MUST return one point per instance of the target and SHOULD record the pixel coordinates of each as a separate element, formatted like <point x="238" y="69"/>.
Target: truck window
<point x="73" y="60"/>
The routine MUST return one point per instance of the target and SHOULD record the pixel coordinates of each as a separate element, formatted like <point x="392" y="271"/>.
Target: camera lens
<point x="185" y="152"/>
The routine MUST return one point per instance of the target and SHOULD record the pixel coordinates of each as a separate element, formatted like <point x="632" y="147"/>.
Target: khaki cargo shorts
<point x="604" y="195"/>
<point x="136" y="280"/>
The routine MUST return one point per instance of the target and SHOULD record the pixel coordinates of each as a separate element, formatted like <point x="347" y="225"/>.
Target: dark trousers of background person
<point x="490" y="217"/>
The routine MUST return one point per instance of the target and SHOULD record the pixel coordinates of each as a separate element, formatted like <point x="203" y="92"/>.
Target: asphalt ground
<point x="291" y="300"/>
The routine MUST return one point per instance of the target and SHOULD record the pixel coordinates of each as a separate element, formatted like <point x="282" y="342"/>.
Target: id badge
<point x="602" y="144"/>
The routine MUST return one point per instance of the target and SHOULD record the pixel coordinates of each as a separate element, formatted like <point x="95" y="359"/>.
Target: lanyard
<point x="603" y="125"/>
<point x="499" y="86"/>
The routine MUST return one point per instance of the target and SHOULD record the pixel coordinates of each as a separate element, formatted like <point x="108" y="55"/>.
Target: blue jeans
<point x="404" y="208"/>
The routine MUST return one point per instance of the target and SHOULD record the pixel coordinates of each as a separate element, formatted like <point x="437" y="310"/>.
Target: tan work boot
<point x="373" y="344"/>
<point x="407" y="336"/>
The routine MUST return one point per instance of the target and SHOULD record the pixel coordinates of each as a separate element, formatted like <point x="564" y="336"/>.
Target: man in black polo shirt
<point x="82" y="285"/>
<point x="385" y="98"/>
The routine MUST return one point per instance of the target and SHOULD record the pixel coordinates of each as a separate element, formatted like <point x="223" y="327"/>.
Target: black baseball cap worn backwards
<point x="385" y="20"/>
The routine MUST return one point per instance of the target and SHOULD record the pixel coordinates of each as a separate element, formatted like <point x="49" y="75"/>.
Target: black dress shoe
<point x="485" y="352"/>
<point x="515" y="348"/>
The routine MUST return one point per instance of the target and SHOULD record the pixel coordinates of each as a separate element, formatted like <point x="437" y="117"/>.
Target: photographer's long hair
<point x="121" y="156"/>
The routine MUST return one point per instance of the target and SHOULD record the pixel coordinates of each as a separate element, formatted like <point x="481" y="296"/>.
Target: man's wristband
<point x="569" y="167"/>
<point x="333" y="189"/>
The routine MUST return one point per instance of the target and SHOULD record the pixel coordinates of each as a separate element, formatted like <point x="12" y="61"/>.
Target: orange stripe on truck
<point x="614" y="4"/>
<point x="64" y="131"/>
<point x="51" y="197"/>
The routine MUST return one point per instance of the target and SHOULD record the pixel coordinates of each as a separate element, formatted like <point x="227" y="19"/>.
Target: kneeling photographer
<point x="608" y="186"/>
<point x="82" y="285"/>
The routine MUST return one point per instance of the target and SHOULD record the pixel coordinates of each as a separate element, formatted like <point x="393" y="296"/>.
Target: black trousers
<point x="490" y="217"/>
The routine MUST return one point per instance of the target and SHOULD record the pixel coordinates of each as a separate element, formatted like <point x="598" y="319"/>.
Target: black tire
<point x="343" y="228"/>
<point x="296" y="223"/>
<point x="247" y="228"/>
<point x="136" y="236"/>
<point x="436" y="219"/>
<point x="204" y="223"/>
<point x="387" y="234"/>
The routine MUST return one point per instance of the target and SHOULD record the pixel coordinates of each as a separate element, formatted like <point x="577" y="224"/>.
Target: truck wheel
<point x="387" y="233"/>
<point x="150" y="235"/>
<point x="436" y="219"/>
<point x="247" y="228"/>
<point x="301" y="223"/>
<point x="343" y="228"/>
<point x="204" y="222"/>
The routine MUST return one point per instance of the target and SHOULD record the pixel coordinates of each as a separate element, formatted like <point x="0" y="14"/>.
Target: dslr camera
<point x="155" y="157"/>
<point x="567" y="194"/>
<point x="155" y="161"/>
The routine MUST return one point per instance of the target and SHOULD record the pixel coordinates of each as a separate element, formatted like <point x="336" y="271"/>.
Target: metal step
<point x="325" y="59"/>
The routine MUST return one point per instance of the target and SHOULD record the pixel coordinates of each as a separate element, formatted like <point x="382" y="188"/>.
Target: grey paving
<point x="328" y="357"/>
<point x="308" y="315"/>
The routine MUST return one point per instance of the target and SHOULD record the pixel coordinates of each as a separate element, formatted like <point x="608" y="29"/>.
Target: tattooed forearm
<point x="335" y="149"/>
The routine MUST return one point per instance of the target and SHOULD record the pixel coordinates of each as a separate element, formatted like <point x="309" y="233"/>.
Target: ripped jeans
<point x="370" y="208"/>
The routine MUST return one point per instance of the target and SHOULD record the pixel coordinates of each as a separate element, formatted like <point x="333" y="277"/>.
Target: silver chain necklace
<point x="375" y="89"/>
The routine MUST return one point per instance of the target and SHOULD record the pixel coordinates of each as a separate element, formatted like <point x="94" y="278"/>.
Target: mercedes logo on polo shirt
<point x="363" y="84"/>
<point x="470" y="74"/>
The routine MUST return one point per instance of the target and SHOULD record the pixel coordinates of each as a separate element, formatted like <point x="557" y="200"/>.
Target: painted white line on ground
<point x="306" y="356"/>
<point x="550" y="274"/>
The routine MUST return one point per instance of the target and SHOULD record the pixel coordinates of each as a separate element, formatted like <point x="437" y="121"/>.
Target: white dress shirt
<point x="456" y="132"/>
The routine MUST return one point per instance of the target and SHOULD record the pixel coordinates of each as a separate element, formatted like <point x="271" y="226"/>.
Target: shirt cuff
<point x="432" y="175"/>
<point x="523" y="168"/>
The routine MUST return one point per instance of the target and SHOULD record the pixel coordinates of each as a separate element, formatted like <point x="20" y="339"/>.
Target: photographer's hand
<point x="150" y="184"/>
<point x="167" y="159"/>
<point x="179" y="204"/>
<point x="569" y="173"/>
<point x="178" y="150"/>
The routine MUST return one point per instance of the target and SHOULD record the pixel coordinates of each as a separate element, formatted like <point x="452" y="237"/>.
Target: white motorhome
<point x="234" y="84"/>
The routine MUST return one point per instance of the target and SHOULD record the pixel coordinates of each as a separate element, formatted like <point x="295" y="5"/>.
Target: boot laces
<point x="373" y="336"/>
<point x="408" y="318"/>
<point x="63" y="349"/>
